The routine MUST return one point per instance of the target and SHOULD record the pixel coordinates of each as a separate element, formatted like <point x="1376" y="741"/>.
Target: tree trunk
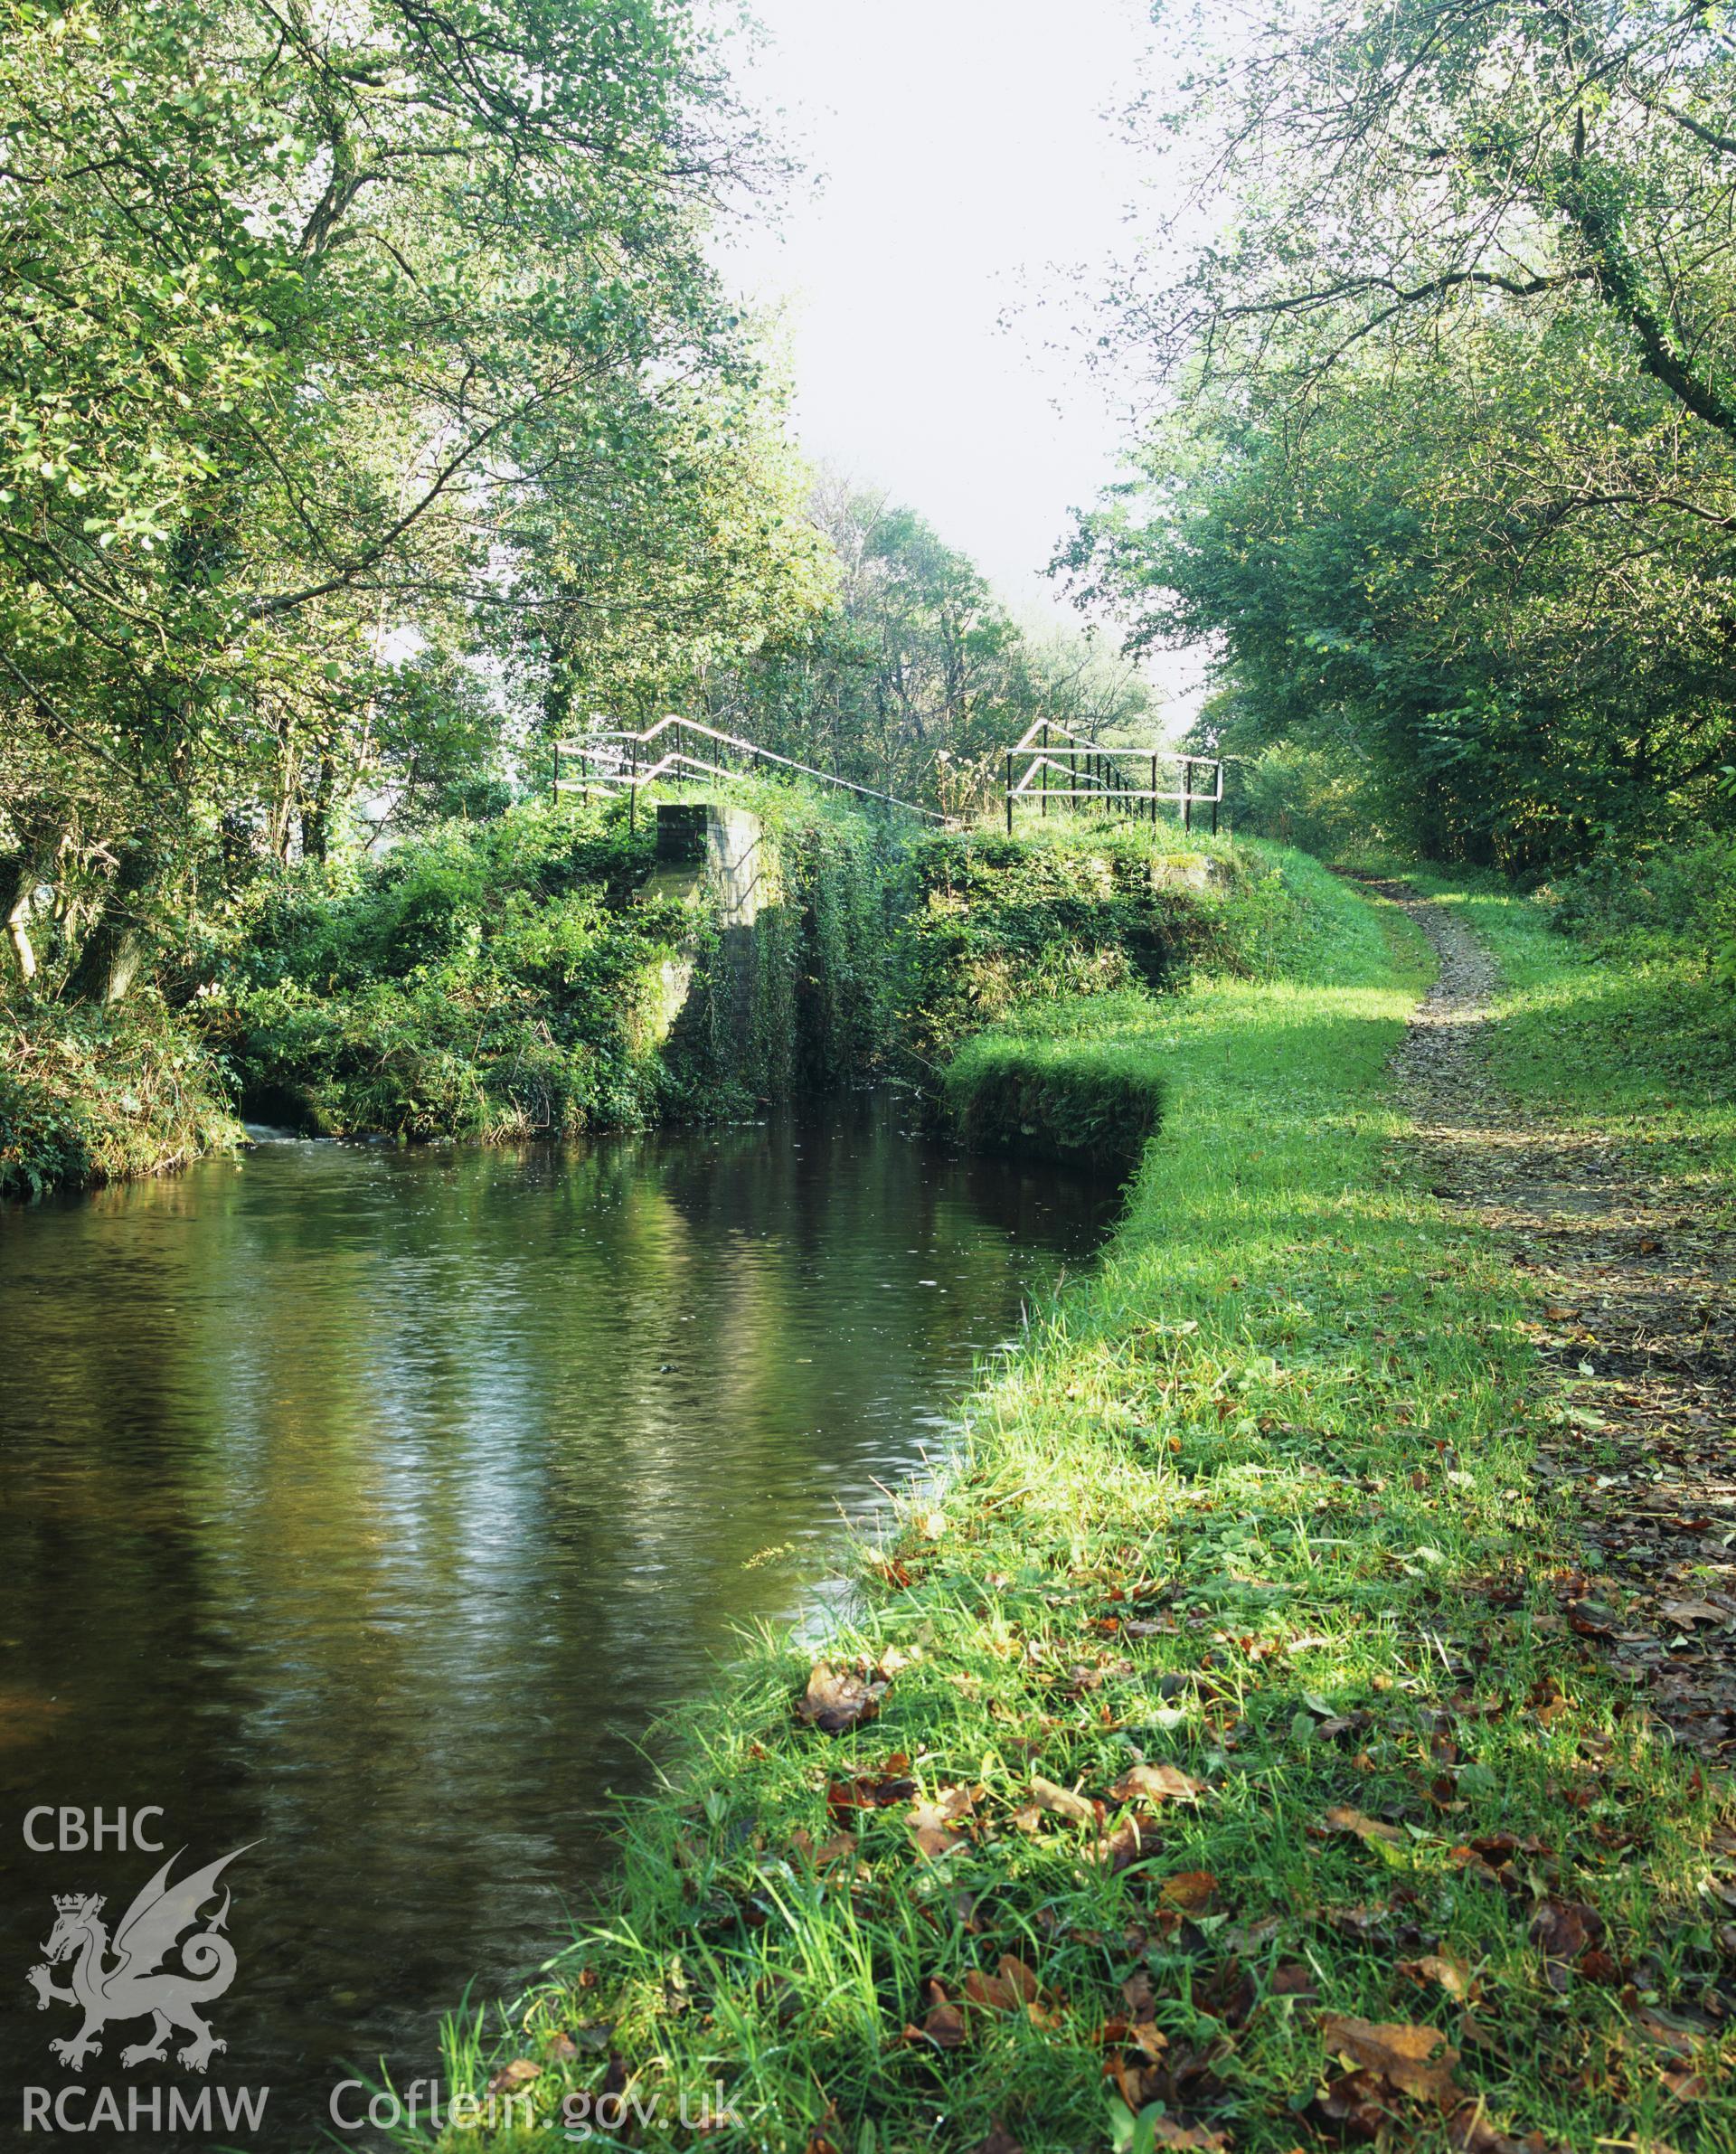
<point x="115" y="946"/>
<point x="19" y="880"/>
<point x="316" y="815"/>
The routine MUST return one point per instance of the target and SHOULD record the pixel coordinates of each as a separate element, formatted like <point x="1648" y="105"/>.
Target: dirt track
<point x="1638" y="1312"/>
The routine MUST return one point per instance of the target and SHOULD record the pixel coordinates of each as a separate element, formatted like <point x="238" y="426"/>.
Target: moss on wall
<point x="807" y="1006"/>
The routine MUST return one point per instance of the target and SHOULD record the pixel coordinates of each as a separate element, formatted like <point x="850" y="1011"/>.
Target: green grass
<point x="1250" y="1501"/>
<point x="1079" y="1077"/>
<point x="1635" y="1037"/>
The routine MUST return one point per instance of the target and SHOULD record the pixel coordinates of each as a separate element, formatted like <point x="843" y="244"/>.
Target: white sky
<point x="965" y="160"/>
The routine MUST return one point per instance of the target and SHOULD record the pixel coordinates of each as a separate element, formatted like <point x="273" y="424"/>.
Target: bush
<point x="1081" y="907"/>
<point x="1677" y="899"/>
<point x="1322" y="798"/>
<point x="91" y="1095"/>
<point x="489" y="980"/>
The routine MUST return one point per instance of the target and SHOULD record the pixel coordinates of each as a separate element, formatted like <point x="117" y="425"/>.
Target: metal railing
<point x="617" y="761"/>
<point x="1064" y="767"/>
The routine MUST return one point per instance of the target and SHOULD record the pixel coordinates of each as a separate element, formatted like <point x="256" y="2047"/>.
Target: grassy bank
<point x="1210" y="1765"/>
<point x="1635" y="1030"/>
<point x="1072" y="908"/>
<point x="1033" y="968"/>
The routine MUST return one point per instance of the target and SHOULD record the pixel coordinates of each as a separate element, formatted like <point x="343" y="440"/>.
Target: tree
<point x="677" y="561"/>
<point x="307" y="316"/>
<point x="1384" y="173"/>
<point x="1446" y="476"/>
<point x="919" y="679"/>
<point x="1404" y="572"/>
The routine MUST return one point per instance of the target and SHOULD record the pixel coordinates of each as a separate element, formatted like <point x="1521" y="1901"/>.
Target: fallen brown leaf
<point x="1013" y="1987"/>
<point x="1180" y="2077"/>
<point x="1454" y="1977"/>
<point x="1404" y="2055"/>
<point x="1564" y="1929"/>
<point x="1342" y="1817"/>
<point x="940" y="1825"/>
<point x="1470" y="2132"/>
<point x="1157" y="1783"/>
<point x="1668" y="2031"/>
<point x="943" y="2023"/>
<point x="1353" y="2106"/>
<point x="1229" y="1993"/>
<point x="864" y="1792"/>
<point x="1061" y="1802"/>
<point x="1190" y="1890"/>
<point x="1377" y="1918"/>
<point x="1149" y="2038"/>
<point x="838" y="1699"/>
<point x="1138" y="1835"/>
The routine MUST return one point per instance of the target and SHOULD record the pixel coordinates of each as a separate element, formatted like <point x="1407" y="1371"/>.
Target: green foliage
<point x="488" y="980"/>
<point x="504" y="979"/>
<point x="1069" y="1078"/>
<point x="1318" y="794"/>
<point x="1676" y="901"/>
<point x="1411" y="592"/>
<point x="1082" y="1077"/>
<point x="89" y="1096"/>
<point x="698" y="554"/>
<point x="1072" y="907"/>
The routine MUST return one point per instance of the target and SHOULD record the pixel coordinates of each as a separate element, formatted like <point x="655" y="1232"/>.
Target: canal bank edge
<point x="538" y="975"/>
<point x="1211" y="1752"/>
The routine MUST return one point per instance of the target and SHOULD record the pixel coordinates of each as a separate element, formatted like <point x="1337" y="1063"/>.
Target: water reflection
<point x="369" y="1504"/>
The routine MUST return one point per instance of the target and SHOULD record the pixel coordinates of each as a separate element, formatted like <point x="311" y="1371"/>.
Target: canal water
<point x="364" y="1508"/>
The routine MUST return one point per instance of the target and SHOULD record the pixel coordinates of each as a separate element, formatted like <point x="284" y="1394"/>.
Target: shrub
<point x="1673" y="899"/>
<point x="489" y="980"/>
<point x="92" y="1095"/>
<point x="1321" y="797"/>
<point x="1081" y="908"/>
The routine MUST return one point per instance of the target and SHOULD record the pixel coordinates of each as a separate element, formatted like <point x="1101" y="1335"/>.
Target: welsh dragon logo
<point x="133" y="1984"/>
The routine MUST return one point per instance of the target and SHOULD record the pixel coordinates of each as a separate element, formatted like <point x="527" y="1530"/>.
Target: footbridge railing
<point x="1052" y="765"/>
<point x="617" y="762"/>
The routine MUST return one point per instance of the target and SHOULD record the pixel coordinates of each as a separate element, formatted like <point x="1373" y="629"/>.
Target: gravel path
<point x="1639" y="1319"/>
